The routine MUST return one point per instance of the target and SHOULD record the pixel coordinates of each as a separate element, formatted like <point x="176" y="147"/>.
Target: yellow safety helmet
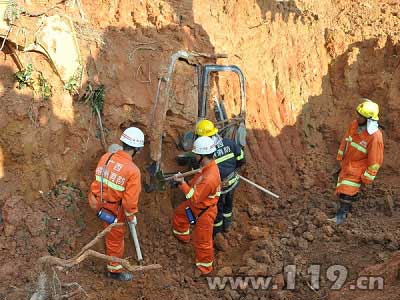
<point x="206" y="128"/>
<point x="368" y="109"/>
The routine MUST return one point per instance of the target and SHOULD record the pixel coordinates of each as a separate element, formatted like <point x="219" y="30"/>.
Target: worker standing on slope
<point x="200" y="208"/>
<point x="360" y="155"/>
<point x="229" y="156"/>
<point x="115" y="194"/>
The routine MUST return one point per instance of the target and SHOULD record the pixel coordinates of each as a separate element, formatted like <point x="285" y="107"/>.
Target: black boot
<point x="227" y="224"/>
<point x="341" y="213"/>
<point x="123" y="276"/>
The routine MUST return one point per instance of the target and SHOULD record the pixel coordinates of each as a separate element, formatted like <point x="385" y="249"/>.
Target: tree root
<point x="48" y="285"/>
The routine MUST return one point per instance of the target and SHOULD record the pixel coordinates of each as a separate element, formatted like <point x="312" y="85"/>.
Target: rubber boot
<point x="227" y="224"/>
<point x="341" y="214"/>
<point x="123" y="276"/>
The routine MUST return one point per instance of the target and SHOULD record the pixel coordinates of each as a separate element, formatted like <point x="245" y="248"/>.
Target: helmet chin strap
<point x="201" y="159"/>
<point x="136" y="150"/>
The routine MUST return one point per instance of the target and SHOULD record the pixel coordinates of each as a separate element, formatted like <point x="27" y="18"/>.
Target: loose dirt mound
<point x="306" y="64"/>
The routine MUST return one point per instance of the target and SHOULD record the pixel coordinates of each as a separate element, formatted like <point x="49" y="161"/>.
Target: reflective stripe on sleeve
<point x="374" y="167"/>
<point x="228" y="215"/>
<point x="217" y="194"/>
<point x="129" y="214"/>
<point x="241" y="156"/>
<point x="190" y="194"/>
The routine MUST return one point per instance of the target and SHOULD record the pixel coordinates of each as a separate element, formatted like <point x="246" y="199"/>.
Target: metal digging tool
<point x="161" y="179"/>
<point x="132" y="229"/>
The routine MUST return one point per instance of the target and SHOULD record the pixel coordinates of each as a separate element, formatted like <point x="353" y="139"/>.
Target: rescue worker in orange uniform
<point x="202" y="193"/>
<point x="360" y="155"/>
<point x="229" y="156"/>
<point x="115" y="193"/>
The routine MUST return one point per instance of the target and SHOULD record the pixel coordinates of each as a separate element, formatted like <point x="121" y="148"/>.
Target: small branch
<point x="146" y="43"/>
<point x="43" y="12"/>
<point x="98" y="237"/>
<point x="258" y="25"/>
<point x="207" y="55"/>
<point x="77" y="291"/>
<point x="102" y="137"/>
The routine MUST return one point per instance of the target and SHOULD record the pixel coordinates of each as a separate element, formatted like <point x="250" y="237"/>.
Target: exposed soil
<point x="306" y="63"/>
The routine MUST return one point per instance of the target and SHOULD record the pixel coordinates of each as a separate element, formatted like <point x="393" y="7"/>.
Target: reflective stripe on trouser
<point x="201" y="236"/>
<point x="180" y="223"/>
<point x="115" y="244"/>
<point x="348" y="185"/>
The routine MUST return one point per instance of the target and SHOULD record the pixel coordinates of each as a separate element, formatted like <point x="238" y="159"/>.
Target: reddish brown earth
<point x="306" y="64"/>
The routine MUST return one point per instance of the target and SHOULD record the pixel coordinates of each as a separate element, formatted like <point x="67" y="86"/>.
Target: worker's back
<point x="228" y="156"/>
<point x="121" y="180"/>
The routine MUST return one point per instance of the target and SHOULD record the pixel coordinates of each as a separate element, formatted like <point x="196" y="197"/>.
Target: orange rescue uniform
<point x="361" y="156"/>
<point x="202" y="194"/>
<point x="121" y="189"/>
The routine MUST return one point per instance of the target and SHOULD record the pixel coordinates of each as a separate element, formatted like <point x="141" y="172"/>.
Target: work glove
<point x="132" y="220"/>
<point x="178" y="178"/>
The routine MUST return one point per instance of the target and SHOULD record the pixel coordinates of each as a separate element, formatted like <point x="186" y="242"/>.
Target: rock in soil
<point x="225" y="271"/>
<point x="308" y="236"/>
<point x="256" y="233"/>
<point x="220" y="242"/>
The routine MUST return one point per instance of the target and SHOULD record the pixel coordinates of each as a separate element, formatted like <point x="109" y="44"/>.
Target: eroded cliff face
<point x="306" y="64"/>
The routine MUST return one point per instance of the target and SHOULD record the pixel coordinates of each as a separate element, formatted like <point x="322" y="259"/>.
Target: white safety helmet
<point x="133" y="137"/>
<point x="204" y="145"/>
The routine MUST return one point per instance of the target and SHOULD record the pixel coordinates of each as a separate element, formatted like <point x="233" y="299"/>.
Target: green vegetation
<point x="35" y="80"/>
<point x="73" y="84"/>
<point x="25" y="77"/>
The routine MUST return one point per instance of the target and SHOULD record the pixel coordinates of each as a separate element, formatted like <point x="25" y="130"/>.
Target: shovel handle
<point x="184" y="174"/>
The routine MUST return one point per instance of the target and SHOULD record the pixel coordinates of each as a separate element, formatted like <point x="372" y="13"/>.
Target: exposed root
<point x="49" y="286"/>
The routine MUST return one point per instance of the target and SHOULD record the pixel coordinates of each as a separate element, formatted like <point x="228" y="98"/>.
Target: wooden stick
<point x="98" y="237"/>
<point x="184" y="174"/>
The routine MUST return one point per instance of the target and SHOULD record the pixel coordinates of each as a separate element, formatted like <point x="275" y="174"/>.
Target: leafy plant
<point x="45" y="88"/>
<point x="74" y="82"/>
<point x="25" y="77"/>
<point x="29" y="77"/>
<point x="95" y="98"/>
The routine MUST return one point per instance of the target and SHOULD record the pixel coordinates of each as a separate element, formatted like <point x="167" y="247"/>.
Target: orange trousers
<point x="202" y="239"/>
<point x="115" y="243"/>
